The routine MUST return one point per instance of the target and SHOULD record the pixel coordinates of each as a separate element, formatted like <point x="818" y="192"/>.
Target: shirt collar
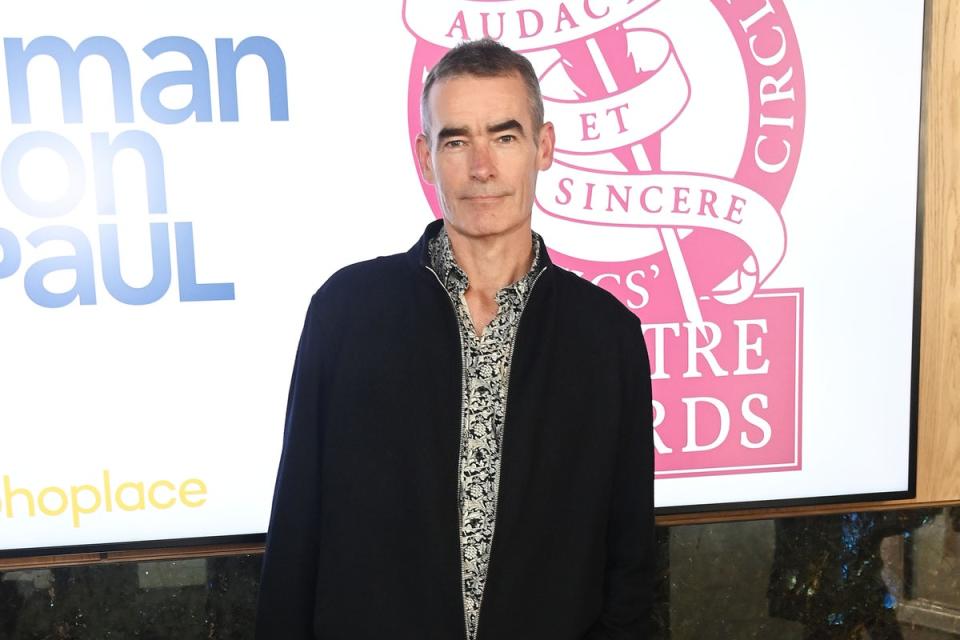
<point x="455" y="280"/>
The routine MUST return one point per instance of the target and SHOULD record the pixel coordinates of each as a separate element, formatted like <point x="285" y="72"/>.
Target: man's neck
<point x="495" y="262"/>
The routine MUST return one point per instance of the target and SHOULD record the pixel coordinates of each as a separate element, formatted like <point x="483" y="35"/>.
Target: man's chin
<point x="486" y="229"/>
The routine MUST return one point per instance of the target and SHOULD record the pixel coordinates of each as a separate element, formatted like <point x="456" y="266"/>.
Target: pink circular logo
<point x="678" y="136"/>
<point x="679" y="129"/>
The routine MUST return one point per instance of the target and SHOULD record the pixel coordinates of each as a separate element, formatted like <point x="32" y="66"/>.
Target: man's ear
<point x="425" y="158"/>
<point x="547" y="140"/>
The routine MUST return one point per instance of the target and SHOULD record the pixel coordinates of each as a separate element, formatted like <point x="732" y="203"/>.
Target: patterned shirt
<point x="486" y="371"/>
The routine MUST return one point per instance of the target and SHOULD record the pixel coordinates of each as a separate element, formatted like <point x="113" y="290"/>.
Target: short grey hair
<point x="484" y="58"/>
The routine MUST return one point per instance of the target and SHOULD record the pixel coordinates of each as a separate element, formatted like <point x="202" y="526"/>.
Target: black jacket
<point x="364" y="534"/>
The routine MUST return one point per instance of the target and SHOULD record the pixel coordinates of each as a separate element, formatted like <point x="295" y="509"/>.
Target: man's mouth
<point x="484" y="197"/>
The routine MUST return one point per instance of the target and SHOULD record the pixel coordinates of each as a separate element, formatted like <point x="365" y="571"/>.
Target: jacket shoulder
<point x="354" y="298"/>
<point x="365" y="273"/>
<point x="366" y="279"/>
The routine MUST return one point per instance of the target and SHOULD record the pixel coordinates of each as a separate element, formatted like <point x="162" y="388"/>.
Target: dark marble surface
<point x="883" y="575"/>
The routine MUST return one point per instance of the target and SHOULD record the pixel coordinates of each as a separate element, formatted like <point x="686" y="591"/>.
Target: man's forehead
<point x="479" y="101"/>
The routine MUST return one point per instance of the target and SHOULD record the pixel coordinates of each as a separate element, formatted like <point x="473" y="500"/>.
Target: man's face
<point x="484" y="155"/>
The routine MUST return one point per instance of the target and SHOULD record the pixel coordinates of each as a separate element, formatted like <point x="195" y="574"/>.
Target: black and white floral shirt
<point x="486" y="371"/>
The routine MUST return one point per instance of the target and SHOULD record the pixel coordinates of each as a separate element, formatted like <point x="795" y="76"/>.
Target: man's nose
<point x="481" y="163"/>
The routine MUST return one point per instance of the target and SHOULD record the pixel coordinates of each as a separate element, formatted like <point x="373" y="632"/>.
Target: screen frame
<point x="45" y="555"/>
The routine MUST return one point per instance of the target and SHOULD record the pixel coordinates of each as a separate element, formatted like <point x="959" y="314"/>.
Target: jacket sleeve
<point x="285" y="603"/>
<point x="631" y="550"/>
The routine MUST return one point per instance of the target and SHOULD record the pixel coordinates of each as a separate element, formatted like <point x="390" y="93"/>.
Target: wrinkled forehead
<point x="471" y="101"/>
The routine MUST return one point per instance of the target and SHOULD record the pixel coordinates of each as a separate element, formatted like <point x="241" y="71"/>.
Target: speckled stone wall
<point x="881" y="575"/>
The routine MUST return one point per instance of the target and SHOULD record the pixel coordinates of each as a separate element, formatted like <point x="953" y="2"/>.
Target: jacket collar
<point x="419" y="253"/>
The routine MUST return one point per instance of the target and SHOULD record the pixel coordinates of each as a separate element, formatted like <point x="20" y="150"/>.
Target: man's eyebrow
<point x="452" y="132"/>
<point x="506" y="125"/>
<point x="499" y="127"/>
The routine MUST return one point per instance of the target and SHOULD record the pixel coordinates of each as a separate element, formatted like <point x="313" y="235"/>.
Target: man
<point x="468" y="446"/>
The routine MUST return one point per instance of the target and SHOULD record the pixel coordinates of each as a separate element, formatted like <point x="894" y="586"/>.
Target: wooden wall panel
<point x="938" y="460"/>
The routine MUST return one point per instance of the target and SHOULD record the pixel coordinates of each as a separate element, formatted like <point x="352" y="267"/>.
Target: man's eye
<point x="509" y="137"/>
<point x="453" y="144"/>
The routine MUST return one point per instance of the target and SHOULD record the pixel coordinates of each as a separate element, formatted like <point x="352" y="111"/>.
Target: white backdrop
<point x="183" y="400"/>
